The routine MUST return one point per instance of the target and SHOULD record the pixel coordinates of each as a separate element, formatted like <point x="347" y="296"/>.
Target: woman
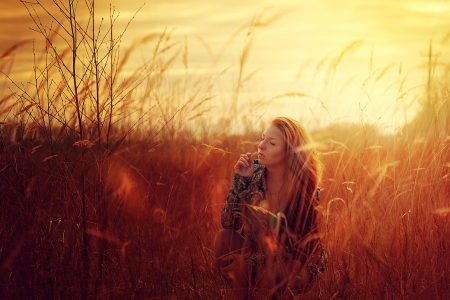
<point x="270" y="242"/>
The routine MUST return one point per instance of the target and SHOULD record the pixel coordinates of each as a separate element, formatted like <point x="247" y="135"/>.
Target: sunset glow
<point x="292" y="54"/>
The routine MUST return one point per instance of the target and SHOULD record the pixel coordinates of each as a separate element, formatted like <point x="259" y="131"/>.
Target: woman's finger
<point x="244" y="165"/>
<point x="227" y="258"/>
<point x="242" y="162"/>
<point x="228" y="268"/>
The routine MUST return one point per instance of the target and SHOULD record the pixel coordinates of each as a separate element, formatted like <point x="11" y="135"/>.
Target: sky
<point x="334" y="51"/>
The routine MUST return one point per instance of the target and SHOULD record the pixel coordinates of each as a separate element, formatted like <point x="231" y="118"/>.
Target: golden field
<point x="112" y="188"/>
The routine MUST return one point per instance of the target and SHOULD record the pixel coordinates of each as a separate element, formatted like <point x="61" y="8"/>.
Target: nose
<point x="261" y="145"/>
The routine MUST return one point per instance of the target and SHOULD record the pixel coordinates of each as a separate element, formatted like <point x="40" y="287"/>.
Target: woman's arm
<point x="232" y="210"/>
<point x="231" y="217"/>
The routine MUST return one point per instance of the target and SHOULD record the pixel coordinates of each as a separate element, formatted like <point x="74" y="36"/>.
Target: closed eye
<point x="262" y="139"/>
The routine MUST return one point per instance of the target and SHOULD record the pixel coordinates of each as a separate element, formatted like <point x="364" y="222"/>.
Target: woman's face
<point x="271" y="147"/>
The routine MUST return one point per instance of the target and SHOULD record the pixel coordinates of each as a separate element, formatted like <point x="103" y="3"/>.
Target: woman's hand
<point x="291" y="271"/>
<point x="244" y="166"/>
<point x="232" y="266"/>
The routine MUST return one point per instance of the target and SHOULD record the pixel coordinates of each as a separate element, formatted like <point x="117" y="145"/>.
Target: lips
<point x="260" y="154"/>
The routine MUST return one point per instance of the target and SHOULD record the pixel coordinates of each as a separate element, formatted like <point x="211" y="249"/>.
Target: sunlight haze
<point x="301" y="51"/>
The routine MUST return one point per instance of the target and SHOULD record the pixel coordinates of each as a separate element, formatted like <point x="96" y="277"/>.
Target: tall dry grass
<point x="111" y="186"/>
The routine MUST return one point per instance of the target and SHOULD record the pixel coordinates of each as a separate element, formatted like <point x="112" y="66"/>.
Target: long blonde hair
<point x="300" y="192"/>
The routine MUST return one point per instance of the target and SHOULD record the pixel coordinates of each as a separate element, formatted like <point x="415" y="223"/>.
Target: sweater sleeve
<point x="231" y="217"/>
